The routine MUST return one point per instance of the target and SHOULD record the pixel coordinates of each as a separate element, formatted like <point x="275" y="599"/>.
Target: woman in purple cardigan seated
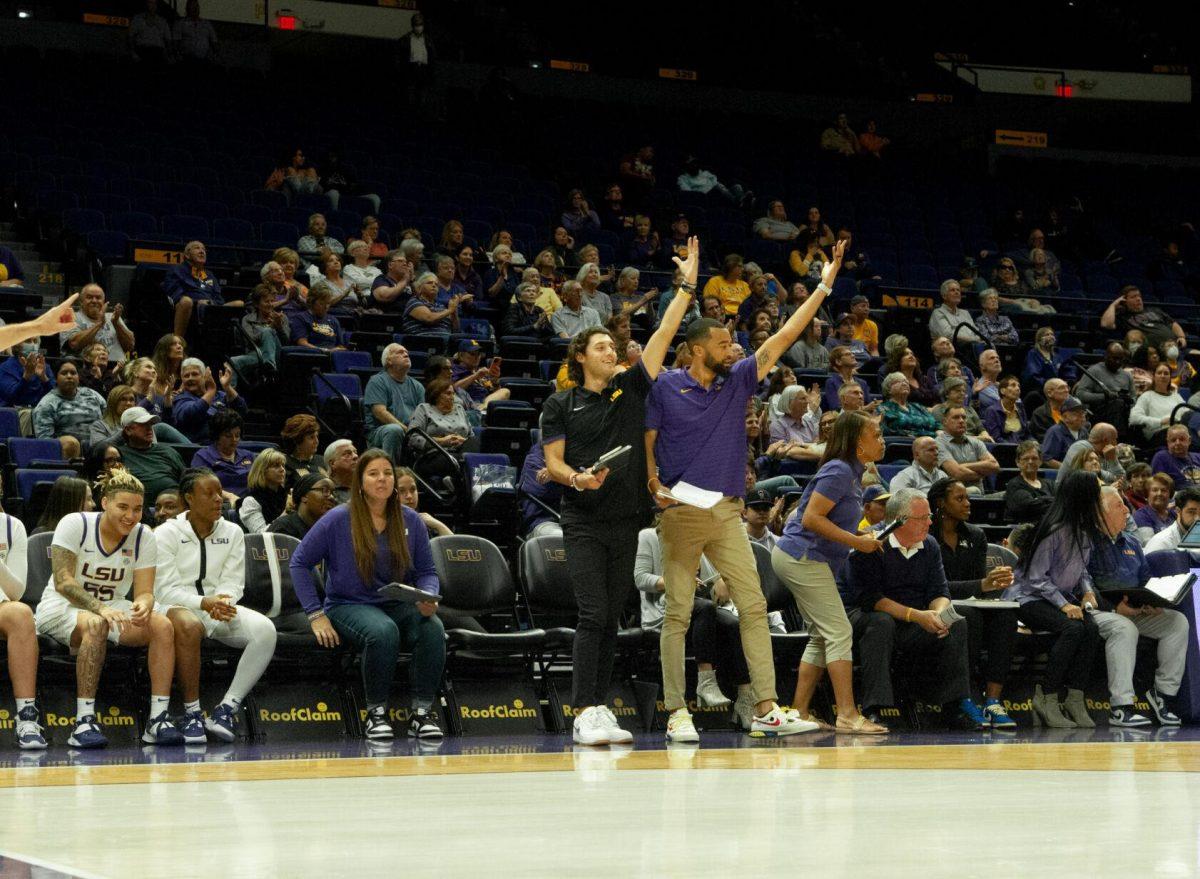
<point x="1005" y="420"/>
<point x="366" y="544"/>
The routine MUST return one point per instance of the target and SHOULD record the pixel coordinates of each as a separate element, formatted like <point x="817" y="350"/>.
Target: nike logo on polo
<point x="684" y="390"/>
<point x="578" y="408"/>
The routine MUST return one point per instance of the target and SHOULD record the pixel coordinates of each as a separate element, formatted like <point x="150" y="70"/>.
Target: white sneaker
<point x="709" y="694"/>
<point x="617" y="735"/>
<point x="743" y="711"/>
<point x="590" y="728"/>
<point x="680" y="727"/>
<point x="778" y="722"/>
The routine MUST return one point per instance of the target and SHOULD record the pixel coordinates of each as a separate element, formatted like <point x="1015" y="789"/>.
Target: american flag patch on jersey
<point x="127" y="552"/>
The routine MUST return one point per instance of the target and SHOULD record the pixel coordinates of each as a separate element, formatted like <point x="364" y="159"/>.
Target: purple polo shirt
<point x="841" y="482"/>
<point x="702" y="432"/>
<point x="1185" y="471"/>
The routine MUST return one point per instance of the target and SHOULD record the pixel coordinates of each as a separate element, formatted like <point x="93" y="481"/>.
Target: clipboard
<point x="606" y="460"/>
<point x="408" y="594"/>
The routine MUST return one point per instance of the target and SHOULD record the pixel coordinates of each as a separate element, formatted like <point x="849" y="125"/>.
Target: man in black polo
<point x="603" y="512"/>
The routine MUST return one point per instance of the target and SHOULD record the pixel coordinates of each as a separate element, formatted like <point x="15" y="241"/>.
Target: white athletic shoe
<point x="617" y="735"/>
<point x="591" y="727"/>
<point x="680" y="727"/>
<point x="778" y="722"/>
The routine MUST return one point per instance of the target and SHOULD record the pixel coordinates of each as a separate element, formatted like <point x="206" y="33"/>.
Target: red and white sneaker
<point x="778" y="722"/>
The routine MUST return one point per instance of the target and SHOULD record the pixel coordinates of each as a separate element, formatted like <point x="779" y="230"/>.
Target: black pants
<point x="877" y="636"/>
<point x="717" y="639"/>
<point x="1075" y="645"/>
<point x="994" y="631"/>
<point x="600" y="559"/>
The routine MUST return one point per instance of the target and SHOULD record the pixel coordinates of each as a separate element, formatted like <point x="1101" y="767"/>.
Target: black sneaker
<point x="1162" y="711"/>
<point x="424" y="725"/>
<point x="1124" y="715"/>
<point x="377" y="724"/>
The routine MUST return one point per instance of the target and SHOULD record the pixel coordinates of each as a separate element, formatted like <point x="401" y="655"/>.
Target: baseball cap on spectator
<point x="969" y="264"/>
<point x="760" y="497"/>
<point x="844" y="318"/>
<point x="469" y="345"/>
<point x="854" y="300"/>
<point x="304" y="485"/>
<point x="1069" y="404"/>
<point x="137" y="415"/>
<point x="874" y="493"/>
<point x="679" y="216"/>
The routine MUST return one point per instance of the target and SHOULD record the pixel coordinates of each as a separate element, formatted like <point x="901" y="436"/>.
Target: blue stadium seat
<point x="186" y="228"/>
<point x="10" y="423"/>
<point x="27" y="479"/>
<point x="106" y="203"/>
<point x="269" y="198"/>
<point x="108" y="245"/>
<point x="135" y="224"/>
<point x="23" y="451"/>
<point x="82" y="220"/>
<point x="344" y="361"/>
<point x="209" y="210"/>
<point x="233" y="229"/>
<point x="330" y="385"/>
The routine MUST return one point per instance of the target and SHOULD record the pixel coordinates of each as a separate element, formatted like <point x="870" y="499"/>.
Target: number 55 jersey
<point x="106" y="575"/>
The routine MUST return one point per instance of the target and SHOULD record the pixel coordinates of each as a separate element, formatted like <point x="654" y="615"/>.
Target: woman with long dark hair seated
<point x="69" y="494"/>
<point x="373" y="541"/>
<point x="1052" y="585"/>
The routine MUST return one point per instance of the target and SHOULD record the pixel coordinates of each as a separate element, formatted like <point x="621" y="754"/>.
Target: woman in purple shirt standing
<point x="1054" y="589"/>
<point x="813" y="549"/>
<point x="366" y="544"/>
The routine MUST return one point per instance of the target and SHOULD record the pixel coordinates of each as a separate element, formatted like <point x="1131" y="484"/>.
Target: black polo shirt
<point x="592" y="424"/>
<point x="966" y="564"/>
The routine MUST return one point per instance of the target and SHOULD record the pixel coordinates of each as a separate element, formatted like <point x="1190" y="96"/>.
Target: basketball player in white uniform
<point x="17" y="630"/>
<point x="95" y="559"/>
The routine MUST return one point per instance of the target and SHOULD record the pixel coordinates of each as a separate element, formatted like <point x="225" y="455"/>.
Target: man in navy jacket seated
<point x="189" y="283"/>
<point x="893" y="597"/>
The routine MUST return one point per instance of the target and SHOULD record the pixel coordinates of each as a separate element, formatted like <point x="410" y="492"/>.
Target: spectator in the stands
<point x="875" y="498"/>
<point x="1182" y="372"/>
<point x="190" y="283"/>
<point x="808" y="352"/>
<point x="614" y="216"/>
<point x="562" y="245"/>
<point x="312" y="498"/>
<point x="626" y="300"/>
<point x="1084" y="459"/>
<point x="200" y="400"/>
<point x="24" y="380"/>
<point x="406" y="488"/>
<point x="807" y="259"/>
<point x="68" y="495"/>
<point x="1175" y="460"/>
<point x="1143" y="360"/>
<point x="414" y="251"/>
<point x="1044" y="362"/>
<point x="289" y="286"/>
<point x="67" y="412"/>
<point x="524" y="317"/>
<point x="946" y="319"/>
<point x="101" y="461"/>
<point x="480" y="382"/>
<point x="290" y="297"/>
<point x="315" y="327"/>
<point x="268" y="329"/>
<point x="1106" y="388"/>
<point x="95" y="371"/>
<point x="389" y="400"/>
<point x="156" y="465"/>
<point x="1027" y="496"/>
<point x="968" y="276"/>
<point x="664" y="301"/>
<point x="444" y="418"/>
<point x="547" y="269"/>
<point x="943" y="350"/>
<point x="1052" y="586"/>
<point x="1137" y="482"/>
<point x="592" y="296"/>
<point x="865" y="329"/>
<point x="317" y="237"/>
<point x="448" y="284"/>
<point x="464" y="272"/>
<point x="697" y="178"/>
<point x="108" y="425"/>
<point x="1037" y="241"/>
<point x="794" y="416"/>
<point x="388" y="291"/>
<point x="729" y="286"/>
<point x="1005" y="420"/>
<point x="797" y="295"/>
<point x="1187" y="511"/>
<point x="986" y="389"/>
<point x="1102" y="439"/>
<point x="535" y="483"/>
<point x="142" y="376"/>
<point x="295" y="175"/>
<point x="900" y="415"/>
<point x="758" y="299"/>
<point x="11" y="272"/>
<point x="1049" y="413"/>
<point x="954" y="393"/>
<point x="1151" y="412"/>
<point x="1040" y="277"/>
<point x="1006" y="281"/>
<point x="93" y="325"/>
<point x="368" y="234"/>
<point x="422" y="314"/>
<point x="501" y="278"/>
<point x="360" y="271"/>
<point x="775" y="226"/>
<point x="341" y="457"/>
<point x="992" y="631"/>
<point x="167" y="505"/>
<point x="503" y="236"/>
<point x="840" y="137"/>
<point x="636" y="171"/>
<point x="266" y="492"/>
<point x="997" y="328"/>
<point x="964" y="457"/>
<point x="920" y="389"/>
<point x="225" y="456"/>
<point x="842" y="335"/>
<point x="452" y="238"/>
<point x="574" y="316"/>
<point x="300" y="441"/>
<point x="843" y="365"/>
<point x="150" y="37"/>
<point x="870" y="142"/>
<point x="645" y="245"/>
<point x="818" y="227"/>
<point x="924" y="471"/>
<point x="1071" y="428"/>
<point x="1157" y="514"/>
<point x="579" y="216"/>
<point x="331" y="279"/>
<point x="675" y="243"/>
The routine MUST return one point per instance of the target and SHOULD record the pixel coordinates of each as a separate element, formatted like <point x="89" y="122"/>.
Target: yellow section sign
<point x="573" y="66"/>
<point x="158" y="255"/>
<point x="677" y="73"/>
<point x="1008" y="137"/>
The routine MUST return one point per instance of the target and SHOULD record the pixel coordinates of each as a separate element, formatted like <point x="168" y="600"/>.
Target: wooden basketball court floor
<point x="1039" y="803"/>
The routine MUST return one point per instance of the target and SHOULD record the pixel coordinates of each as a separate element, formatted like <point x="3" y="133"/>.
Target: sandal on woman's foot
<point x="860" y="726"/>
<point x="812" y="718"/>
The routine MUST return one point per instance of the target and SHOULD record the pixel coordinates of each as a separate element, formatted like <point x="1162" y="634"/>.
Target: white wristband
<point x="827" y="291"/>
